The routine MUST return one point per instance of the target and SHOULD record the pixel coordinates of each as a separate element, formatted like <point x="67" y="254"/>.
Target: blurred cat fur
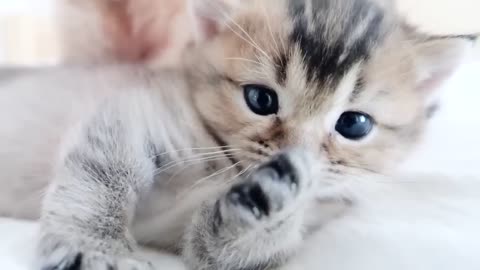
<point x="153" y="32"/>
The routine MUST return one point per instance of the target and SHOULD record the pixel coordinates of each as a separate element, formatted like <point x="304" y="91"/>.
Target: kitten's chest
<point x="168" y="190"/>
<point x="164" y="211"/>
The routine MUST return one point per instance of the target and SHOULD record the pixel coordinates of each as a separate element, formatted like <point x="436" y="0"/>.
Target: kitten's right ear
<point x="211" y="17"/>
<point x="437" y="57"/>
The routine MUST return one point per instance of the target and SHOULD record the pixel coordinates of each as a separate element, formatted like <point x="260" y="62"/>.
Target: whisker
<point x="202" y="180"/>
<point x="195" y="148"/>
<point x="253" y="168"/>
<point x="238" y="175"/>
<point x="215" y="174"/>
<point x="244" y="59"/>
<point x="251" y="41"/>
<point x="190" y="161"/>
<point x="277" y="48"/>
<point x="219" y="153"/>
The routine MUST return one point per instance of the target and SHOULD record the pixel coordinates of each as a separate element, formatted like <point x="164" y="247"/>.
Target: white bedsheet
<point x="18" y="238"/>
<point x="452" y="148"/>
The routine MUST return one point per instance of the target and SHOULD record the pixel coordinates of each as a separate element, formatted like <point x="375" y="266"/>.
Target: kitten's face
<point x="340" y="78"/>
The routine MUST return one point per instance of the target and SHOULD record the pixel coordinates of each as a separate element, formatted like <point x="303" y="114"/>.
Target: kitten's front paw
<point x="62" y="256"/>
<point x="275" y="187"/>
<point x="258" y="223"/>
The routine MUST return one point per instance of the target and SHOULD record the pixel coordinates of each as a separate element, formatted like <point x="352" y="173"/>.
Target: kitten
<point x="236" y="158"/>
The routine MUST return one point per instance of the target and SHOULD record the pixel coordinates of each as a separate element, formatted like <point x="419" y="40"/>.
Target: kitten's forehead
<point x="333" y="35"/>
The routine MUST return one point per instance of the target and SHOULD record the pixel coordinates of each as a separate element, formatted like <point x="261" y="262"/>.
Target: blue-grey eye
<point x="261" y="99"/>
<point x="354" y="125"/>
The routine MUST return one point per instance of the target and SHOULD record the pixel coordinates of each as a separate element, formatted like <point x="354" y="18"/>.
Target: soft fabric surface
<point x="17" y="240"/>
<point x="400" y="229"/>
<point x="415" y="234"/>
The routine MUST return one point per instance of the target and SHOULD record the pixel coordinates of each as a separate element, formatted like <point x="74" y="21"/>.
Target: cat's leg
<point x="87" y="210"/>
<point x="255" y="225"/>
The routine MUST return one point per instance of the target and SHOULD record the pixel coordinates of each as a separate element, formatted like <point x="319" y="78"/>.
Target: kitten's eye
<point x="261" y="99"/>
<point x="354" y="125"/>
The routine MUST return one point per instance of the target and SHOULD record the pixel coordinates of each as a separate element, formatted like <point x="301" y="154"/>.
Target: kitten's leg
<point x="87" y="211"/>
<point x="257" y="224"/>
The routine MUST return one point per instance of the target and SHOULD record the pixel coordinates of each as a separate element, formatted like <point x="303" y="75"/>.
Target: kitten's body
<point x="39" y="108"/>
<point x="110" y="179"/>
<point x="66" y="100"/>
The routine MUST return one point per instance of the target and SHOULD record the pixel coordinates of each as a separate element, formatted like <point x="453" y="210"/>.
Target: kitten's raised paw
<point x="274" y="187"/>
<point x="67" y="258"/>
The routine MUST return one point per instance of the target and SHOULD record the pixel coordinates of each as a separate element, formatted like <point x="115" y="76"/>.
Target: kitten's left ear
<point x="210" y="17"/>
<point x="438" y="57"/>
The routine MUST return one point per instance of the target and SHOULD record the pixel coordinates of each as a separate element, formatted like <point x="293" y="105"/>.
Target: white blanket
<point x="439" y="233"/>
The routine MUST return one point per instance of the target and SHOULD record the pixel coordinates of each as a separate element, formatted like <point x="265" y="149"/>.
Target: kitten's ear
<point x="438" y="57"/>
<point x="210" y="17"/>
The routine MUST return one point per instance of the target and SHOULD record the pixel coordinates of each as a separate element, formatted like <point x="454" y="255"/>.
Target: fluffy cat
<point x="234" y="159"/>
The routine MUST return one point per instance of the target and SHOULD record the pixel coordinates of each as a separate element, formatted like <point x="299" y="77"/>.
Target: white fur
<point x="35" y="112"/>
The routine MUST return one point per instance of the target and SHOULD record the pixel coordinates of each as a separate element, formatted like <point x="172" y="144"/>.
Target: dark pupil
<point x="261" y="100"/>
<point x="354" y="125"/>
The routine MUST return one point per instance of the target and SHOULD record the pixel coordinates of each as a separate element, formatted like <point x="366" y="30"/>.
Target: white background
<point x="35" y="7"/>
